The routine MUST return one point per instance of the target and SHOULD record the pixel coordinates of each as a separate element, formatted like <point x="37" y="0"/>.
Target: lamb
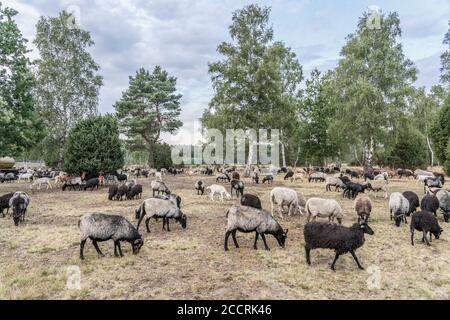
<point x="4" y="203"/>
<point x="101" y="227"/>
<point x="250" y="200"/>
<point x="159" y="186"/>
<point x="427" y="223"/>
<point x="444" y="203"/>
<point x="247" y="220"/>
<point x="238" y="186"/>
<point x="112" y="191"/>
<point x="40" y="182"/>
<point x="289" y="197"/>
<point x="353" y="189"/>
<point x="159" y="208"/>
<point x="399" y="207"/>
<point x="430" y="203"/>
<point x="92" y="183"/>
<point x="333" y="236"/>
<point x="200" y="187"/>
<point x="213" y="189"/>
<point x="121" y="192"/>
<point x="135" y="192"/>
<point x="223" y="177"/>
<point x="324" y="208"/>
<point x="363" y="208"/>
<point x="334" y="182"/>
<point x="19" y="203"/>
<point x="413" y="200"/>
<point x="380" y="185"/>
<point x="268" y="178"/>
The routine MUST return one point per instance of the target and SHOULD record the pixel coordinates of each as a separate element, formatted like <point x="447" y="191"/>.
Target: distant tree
<point x="373" y="84"/>
<point x="149" y="107"/>
<point x="409" y="149"/>
<point x="93" y="145"/>
<point x="445" y="61"/>
<point x="440" y="132"/>
<point x="68" y="82"/>
<point x="19" y="128"/>
<point x="256" y="83"/>
<point x="163" y="157"/>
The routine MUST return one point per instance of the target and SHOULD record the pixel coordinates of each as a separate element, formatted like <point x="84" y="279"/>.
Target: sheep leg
<point x="356" y="259"/>
<point x="426" y="238"/>
<point x="227" y="235"/>
<point x="120" y="248"/>
<point x="167" y="222"/>
<point x="334" y="261"/>
<point x="308" y="255"/>
<point x="233" y="235"/>
<point x="256" y="240"/>
<point x="412" y="237"/>
<point x="147" y="221"/>
<point x="264" y="240"/>
<point x="115" y="249"/>
<point x="82" y="243"/>
<point x="94" y="242"/>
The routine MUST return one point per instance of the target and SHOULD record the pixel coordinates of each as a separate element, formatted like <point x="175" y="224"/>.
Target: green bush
<point x="93" y="145"/>
<point x="410" y="149"/>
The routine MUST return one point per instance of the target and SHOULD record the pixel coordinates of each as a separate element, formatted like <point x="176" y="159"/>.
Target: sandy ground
<point x="39" y="260"/>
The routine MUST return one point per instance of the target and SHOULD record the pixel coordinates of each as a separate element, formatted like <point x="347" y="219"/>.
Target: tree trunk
<point x="283" y="155"/>
<point x="151" y="156"/>
<point x="431" y="150"/>
<point x="368" y="153"/>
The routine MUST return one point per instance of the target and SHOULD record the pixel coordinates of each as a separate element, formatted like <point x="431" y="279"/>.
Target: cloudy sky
<point x="182" y="37"/>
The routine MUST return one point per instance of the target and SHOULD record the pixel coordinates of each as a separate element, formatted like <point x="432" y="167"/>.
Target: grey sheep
<point x="4" y="203"/>
<point x="323" y="208"/>
<point x="247" y="220"/>
<point x="425" y="222"/>
<point x="159" y="187"/>
<point x="325" y="235"/>
<point x="444" y="203"/>
<point x="334" y="182"/>
<point x="101" y="227"/>
<point x="287" y="197"/>
<point x="19" y="204"/>
<point x="176" y="200"/>
<point x="160" y="208"/>
<point x="398" y="207"/>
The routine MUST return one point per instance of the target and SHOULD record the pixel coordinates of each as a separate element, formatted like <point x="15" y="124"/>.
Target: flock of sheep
<point x="249" y="216"/>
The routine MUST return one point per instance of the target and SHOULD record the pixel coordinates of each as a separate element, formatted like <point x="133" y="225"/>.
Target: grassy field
<point x="191" y="263"/>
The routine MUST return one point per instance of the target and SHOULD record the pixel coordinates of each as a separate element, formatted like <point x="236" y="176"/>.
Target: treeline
<point x="366" y="111"/>
<point x="49" y="107"/>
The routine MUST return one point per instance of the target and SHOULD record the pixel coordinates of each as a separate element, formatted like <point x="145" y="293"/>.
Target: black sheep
<point x="353" y="189"/>
<point x="427" y="223"/>
<point x="250" y="200"/>
<point x="200" y="187"/>
<point x="324" y="235"/>
<point x="121" y="192"/>
<point x="135" y="192"/>
<point x="288" y="175"/>
<point x="368" y="176"/>
<point x="430" y="203"/>
<point x="112" y="192"/>
<point x="4" y="203"/>
<point x="238" y="186"/>
<point x="413" y="200"/>
<point x="440" y="176"/>
<point x="92" y="183"/>
<point x="268" y="178"/>
<point x="345" y="179"/>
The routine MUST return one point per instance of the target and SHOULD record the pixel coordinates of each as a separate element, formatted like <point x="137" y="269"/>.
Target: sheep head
<point x="136" y="245"/>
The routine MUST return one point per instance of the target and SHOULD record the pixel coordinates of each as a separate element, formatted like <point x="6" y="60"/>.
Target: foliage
<point x="440" y="131"/>
<point x="68" y="82"/>
<point x="409" y="149"/>
<point x="149" y="107"/>
<point x="93" y="145"/>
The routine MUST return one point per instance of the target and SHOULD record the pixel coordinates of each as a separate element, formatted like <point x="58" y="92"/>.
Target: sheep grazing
<point x="159" y="186"/>
<point x="92" y="183"/>
<point x="287" y="197"/>
<point x="382" y="176"/>
<point x="432" y="183"/>
<point x="440" y="176"/>
<point x="200" y="187"/>
<point x="324" y="208"/>
<point x="4" y="203"/>
<point x="176" y="200"/>
<point x="19" y="203"/>
<point x="379" y="185"/>
<point x="135" y="192"/>
<point x="213" y="189"/>
<point x="39" y="182"/>
<point x="248" y="219"/>
<point x="238" y="187"/>
<point x="255" y="177"/>
<point x="72" y="183"/>
<point x="112" y="191"/>
<point x="405" y="173"/>
<point x="268" y="178"/>
<point x="324" y="235"/>
<point x="250" y="200"/>
<point x="363" y="208"/>
<point x="430" y="203"/>
<point x="121" y="192"/>
<point x="334" y="182"/>
<point x="368" y="176"/>
<point x="289" y="175"/>
<point x="398" y="207"/>
<point x="420" y="172"/>
<point x="159" y="208"/>
<point x="352" y="190"/>
<point x="413" y="200"/>
<point x="236" y="176"/>
<point x="223" y="177"/>
<point x="444" y="203"/>
<point x="317" y="177"/>
<point x="102" y="227"/>
<point x="425" y="222"/>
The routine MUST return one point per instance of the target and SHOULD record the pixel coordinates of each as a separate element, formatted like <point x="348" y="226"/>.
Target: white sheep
<point x="380" y="185"/>
<point x="40" y="182"/>
<point x="213" y="189"/>
<point x="287" y="197"/>
<point x="398" y="207"/>
<point x="324" y="208"/>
